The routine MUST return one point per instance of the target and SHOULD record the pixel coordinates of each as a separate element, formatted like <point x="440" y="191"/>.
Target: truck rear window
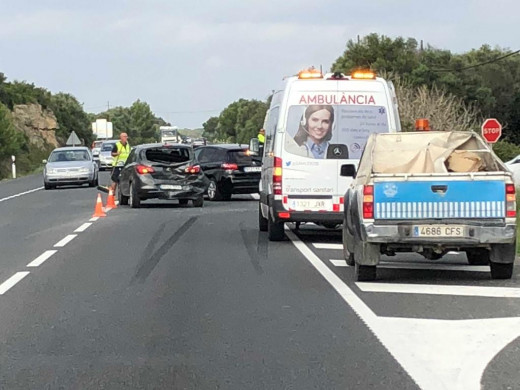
<point x="168" y="155"/>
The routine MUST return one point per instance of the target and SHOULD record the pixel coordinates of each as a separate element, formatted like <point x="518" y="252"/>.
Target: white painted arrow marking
<point x="437" y="354"/>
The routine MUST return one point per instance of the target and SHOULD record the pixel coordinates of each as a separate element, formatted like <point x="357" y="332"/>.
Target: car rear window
<point x="168" y="155"/>
<point x="239" y="157"/>
<point x="107" y="147"/>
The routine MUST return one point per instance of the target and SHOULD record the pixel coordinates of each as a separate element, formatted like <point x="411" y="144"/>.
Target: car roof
<point x="227" y="146"/>
<point x="71" y="148"/>
<point x="158" y="145"/>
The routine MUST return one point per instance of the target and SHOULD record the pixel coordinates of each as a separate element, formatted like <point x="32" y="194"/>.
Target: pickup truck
<point x="429" y="192"/>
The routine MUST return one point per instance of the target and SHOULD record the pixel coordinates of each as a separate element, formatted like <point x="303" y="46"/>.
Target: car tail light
<point x="229" y="166"/>
<point x="192" y="169"/>
<point x="144" y="169"/>
<point x="368" y="202"/>
<point x="277" y="176"/>
<point x="510" y="201"/>
<point x="284" y="215"/>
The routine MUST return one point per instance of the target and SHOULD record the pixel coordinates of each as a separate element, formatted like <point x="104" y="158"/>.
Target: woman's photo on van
<point x="315" y="130"/>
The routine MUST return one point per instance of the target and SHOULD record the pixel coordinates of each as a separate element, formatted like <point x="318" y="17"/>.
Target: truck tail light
<point x="144" y="169"/>
<point x="277" y="176"/>
<point x="510" y="201"/>
<point x="368" y="202"/>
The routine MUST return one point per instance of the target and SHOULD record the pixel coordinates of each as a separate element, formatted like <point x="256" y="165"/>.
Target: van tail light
<point x="277" y="176"/>
<point x="192" y="169"/>
<point x="144" y="169"/>
<point x="510" y="201"/>
<point x="229" y="166"/>
<point x="368" y="202"/>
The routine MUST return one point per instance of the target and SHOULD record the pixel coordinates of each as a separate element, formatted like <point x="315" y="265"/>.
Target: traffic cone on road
<point x="98" y="211"/>
<point x="111" y="203"/>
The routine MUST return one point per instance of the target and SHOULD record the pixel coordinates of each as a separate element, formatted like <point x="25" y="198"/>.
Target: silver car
<point x="69" y="166"/>
<point x="105" y="154"/>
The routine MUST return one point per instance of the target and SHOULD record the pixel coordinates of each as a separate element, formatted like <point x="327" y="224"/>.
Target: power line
<point x="477" y="65"/>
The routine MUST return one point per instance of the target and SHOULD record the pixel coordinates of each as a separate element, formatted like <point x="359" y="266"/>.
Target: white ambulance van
<point x="316" y="124"/>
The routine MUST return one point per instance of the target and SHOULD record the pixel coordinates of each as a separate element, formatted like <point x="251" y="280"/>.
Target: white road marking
<point x="328" y="246"/>
<point x="437" y="354"/>
<point x="41" y="259"/>
<point x="255" y="196"/>
<point x="5" y="286"/>
<point x="82" y="228"/>
<point x="20" y="194"/>
<point x="339" y="263"/>
<point x="93" y="219"/>
<point x="474" y="291"/>
<point x="65" y="241"/>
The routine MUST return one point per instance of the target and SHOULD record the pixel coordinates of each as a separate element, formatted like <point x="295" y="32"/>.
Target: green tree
<point x="143" y="126"/>
<point x="210" y="128"/>
<point x="241" y="120"/>
<point x="11" y="140"/>
<point x="71" y="117"/>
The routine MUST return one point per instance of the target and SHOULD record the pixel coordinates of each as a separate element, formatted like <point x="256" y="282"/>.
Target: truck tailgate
<point x="412" y="200"/>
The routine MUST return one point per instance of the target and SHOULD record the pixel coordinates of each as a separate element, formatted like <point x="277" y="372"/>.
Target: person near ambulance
<point x="120" y="152"/>
<point x="261" y="140"/>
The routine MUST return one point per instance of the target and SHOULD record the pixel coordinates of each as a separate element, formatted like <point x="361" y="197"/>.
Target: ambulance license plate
<point x="438" y="231"/>
<point x="310" y="204"/>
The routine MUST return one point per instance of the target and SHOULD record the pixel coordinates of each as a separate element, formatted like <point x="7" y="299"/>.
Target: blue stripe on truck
<point x="462" y="199"/>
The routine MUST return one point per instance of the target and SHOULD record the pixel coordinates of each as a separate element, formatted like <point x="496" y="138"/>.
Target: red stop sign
<point x="491" y="130"/>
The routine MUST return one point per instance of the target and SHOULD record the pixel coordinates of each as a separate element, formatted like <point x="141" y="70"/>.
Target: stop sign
<point x="491" y="130"/>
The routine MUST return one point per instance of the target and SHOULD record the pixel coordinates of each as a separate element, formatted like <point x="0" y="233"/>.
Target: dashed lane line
<point x="93" y="219"/>
<point x="20" y="194"/>
<point x="328" y="246"/>
<point x="65" y="241"/>
<point x="474" y="291"/>
<point x="83" y="227"/>
<point x="5" y="286"/>
<point x="42" y="258"/>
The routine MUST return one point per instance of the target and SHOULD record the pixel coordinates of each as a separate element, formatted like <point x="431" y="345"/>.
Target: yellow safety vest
<point x="261" y="138"/>
<point x="124" y="150"/>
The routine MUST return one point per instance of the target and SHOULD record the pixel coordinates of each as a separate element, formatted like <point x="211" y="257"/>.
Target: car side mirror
<point x="254" y="146"/>
<point x="44" y="161"/>
<point x="348" y="170"/>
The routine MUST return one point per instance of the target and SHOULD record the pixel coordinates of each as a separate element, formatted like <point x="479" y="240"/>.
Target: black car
<point x="230" y="169"/>
<point x="157" y="171"/>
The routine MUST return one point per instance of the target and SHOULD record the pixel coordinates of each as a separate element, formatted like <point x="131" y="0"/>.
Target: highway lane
<point x="174" y="297"/>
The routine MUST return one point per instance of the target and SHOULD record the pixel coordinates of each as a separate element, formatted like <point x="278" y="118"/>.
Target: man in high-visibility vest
<point x="261" y="141"/>
<point x="120" y="152"/>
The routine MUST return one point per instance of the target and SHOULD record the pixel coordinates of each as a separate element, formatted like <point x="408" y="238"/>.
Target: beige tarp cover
<point x="427" y="152"/>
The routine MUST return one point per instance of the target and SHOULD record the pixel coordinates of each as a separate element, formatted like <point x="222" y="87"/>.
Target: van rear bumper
<point x="303" y="216"/>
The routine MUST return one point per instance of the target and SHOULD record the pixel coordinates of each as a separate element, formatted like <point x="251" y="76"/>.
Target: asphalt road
<point x="171" y="297"/>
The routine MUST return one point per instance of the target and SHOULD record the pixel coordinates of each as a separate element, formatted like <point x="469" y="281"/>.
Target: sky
<point x="190" y="59"/>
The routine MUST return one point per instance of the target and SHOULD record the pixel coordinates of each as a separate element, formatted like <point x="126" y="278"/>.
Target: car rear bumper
<point x="192" y="191"/>
<point x="304" y="216"/>
<point x="244" y="185"/>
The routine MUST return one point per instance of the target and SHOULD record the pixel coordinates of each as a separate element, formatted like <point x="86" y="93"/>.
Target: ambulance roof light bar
<point x="363" y="74"/>
<point x="310" y="73"/>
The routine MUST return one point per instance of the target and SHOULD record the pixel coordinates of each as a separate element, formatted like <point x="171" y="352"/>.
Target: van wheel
<point x="275" y="230"/>
<point x="123" y="200"/>
<point x="478" y="256"/>
<point x="365" y="273"/>
<point x="262" y="222"/>
<point x="134" y="200"/>
<point x="501" y="270"/>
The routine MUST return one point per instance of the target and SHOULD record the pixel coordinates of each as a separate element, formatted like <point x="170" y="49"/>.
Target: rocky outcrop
<point x="38" y="124"/>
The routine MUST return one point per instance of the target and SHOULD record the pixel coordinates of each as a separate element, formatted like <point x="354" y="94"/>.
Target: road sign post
<point x="491" y="130"/>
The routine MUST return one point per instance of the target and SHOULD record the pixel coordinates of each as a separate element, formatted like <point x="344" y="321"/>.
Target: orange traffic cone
<point x="111" y="204"/>
<point x="98" y="212"/>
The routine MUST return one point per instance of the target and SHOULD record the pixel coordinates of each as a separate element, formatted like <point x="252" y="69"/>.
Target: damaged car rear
<point x="158" y="171"/>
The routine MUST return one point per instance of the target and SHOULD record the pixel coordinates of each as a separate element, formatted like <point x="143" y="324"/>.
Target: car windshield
<point x="239" y="157"/>
<point x="69" y="155"/>
<point x="107" y="147"/>
<point x="168" y="154"/>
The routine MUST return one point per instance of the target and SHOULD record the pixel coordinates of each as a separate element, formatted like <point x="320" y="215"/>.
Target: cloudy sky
<point x="190" y="59"/>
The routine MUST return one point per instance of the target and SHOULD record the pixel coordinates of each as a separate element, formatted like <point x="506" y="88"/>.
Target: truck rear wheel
<point x="478" y="256"/>
<point x="501" y="270"/>
<point x="365" y="273"/>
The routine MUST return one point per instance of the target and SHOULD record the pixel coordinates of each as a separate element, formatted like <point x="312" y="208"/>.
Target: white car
<point x="70" y="166"/>
<point x="514" y="166"/>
